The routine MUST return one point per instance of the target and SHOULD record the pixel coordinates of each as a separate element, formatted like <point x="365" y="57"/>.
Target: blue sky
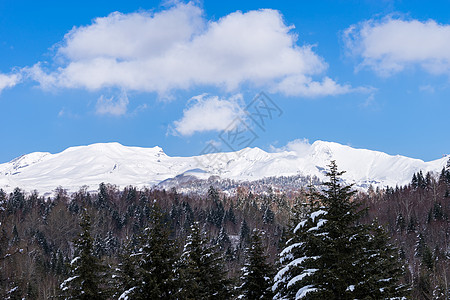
<point x="369" y="74"/>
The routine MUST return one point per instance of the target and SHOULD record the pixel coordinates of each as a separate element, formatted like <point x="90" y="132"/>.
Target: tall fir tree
<point x="126" y="277"/>
<point x="332" y="256"/>
<point x="244" y="234"/>
<point x="257" y="273"/>
<point x="87" y="274"/>
<point x="150" y="273"/>
<point x="201" y="269"/>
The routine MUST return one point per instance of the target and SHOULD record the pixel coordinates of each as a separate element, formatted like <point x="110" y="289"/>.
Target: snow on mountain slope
<point x="120" y="165"/>
<point x="366" y="166"/>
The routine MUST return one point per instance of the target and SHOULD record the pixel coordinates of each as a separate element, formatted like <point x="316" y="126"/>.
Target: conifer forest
<point x="323" y="241"/>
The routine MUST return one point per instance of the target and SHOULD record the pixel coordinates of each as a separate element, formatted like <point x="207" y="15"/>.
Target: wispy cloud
<point x="9" y="80"/>
<point x="114" y="106"/>
<point x="305" y="86"/>
<point x="391" y="45"/>
<point x="427" y="88"/>
<point x="301" y="147"/>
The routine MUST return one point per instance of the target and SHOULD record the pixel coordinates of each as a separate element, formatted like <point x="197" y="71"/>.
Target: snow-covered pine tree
<point x="297" y="260"/>
<point x="201" y="269"/>
<point x="268" y="215"/>
<point x="257" y="273"/>
<point x="154" y="260"/>
<point x="87" y="274"/>
<point x="125" y="277"/>
<point x="332" y="256"/>
<point x="223" y="240"/>
<point x="244" y="234"/>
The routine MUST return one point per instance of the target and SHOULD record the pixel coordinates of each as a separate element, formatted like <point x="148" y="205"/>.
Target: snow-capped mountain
<point x="121" y="165"/>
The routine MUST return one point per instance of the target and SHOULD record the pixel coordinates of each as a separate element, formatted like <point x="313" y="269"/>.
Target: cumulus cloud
<point x="178" y="48"/>
<point x="9" y="80"/>
<point x="209" y="113"/>
<point x="301" y="147"/>
<point x="391" y="45"/>
<point x="114" y="106"/>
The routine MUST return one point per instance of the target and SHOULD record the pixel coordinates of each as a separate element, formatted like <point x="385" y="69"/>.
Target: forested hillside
<point x="150" y="241"/>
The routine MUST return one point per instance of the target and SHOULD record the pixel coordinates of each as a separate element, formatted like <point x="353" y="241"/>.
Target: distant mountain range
<point x="122" y="166"/>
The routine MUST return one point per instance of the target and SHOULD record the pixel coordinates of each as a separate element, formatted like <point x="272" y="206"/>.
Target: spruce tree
<point x="268" y="216"/>
<point x="257" y="273"/>
<point x="244" y="234"/>
<point x="149" y="273"/>
<point x="201" y="269"/>
<point x="126" y="273"/>
<point x="86" y="271"/>
<point x="332" y="256"/>
<point x="223" y="240"/>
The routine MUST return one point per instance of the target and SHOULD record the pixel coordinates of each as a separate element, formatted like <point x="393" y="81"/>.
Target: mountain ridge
<point x="122" y="165"/>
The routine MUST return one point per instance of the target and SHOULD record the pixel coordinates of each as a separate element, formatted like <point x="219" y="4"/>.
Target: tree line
<point x="143" y="244"/>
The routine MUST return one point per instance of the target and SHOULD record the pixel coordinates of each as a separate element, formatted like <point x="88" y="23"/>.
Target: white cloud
<point x="391" y="45"/>
<point x="178" y="49"/>
<point x="112" y="106"/>
<point x="9" y="80"/>
<point x="304" y="86"/>
<point x="301" y="147"/>
<point x="209" y="113"/>
<point x="427" y="88"/>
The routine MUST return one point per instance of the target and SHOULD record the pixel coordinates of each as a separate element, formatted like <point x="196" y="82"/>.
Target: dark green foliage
<point x="257" y="273"/>
<point x="213" y="194"/>
<point x="412" y="224"/>
<point x="16" y="200"/>
<point x="223" y="240"/>
<point x="332" y="256"/>
<point x="15" y="235"/>
<point x="268" y="216"/>
<point x="421" y="245"/>
<point x="244" y="234"/>
<point x="150" y="273"/>
<point x="400" y="222"/>
<point x="126" y="277"/>
<point x="428" y="258"/>
<point x="414" y="181"/>
<point x="102" y="200"/>
<point x="379" y="268"/>
<point x="86" y="272"/>
<point x="201" y="269"/>
<point x="230" y="215"/>
<point x="36" y="232"/>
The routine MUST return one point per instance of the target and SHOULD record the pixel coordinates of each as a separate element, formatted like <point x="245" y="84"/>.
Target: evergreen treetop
<point x="332" y="256"/>
<point x="257" y="273"/>
<point x="87" y="274"/>
<point x="201" y="272"/>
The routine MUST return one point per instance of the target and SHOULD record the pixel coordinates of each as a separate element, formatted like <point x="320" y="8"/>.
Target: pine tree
<point x="244" y="234"/>
<point x="126" y="278"/>
<point x="86" y="271"/>
<point x="257" y="273"/>
<point x="420" y="245"/>
<point x="150" y="274"/>
<point x="201" y="269"/>
<point x="332" y="256"/>
<point x="223" y="240"/>
<point x="400" y="222"/>
<point x="189" y="215"/>
<point x="268" y="216"/>
<point x="15" y="236"/>
<point x="414" y="181"/>
<point x="412" y="224"/>
<point x="230" y="215"/>
<point x="421" y="180"/>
